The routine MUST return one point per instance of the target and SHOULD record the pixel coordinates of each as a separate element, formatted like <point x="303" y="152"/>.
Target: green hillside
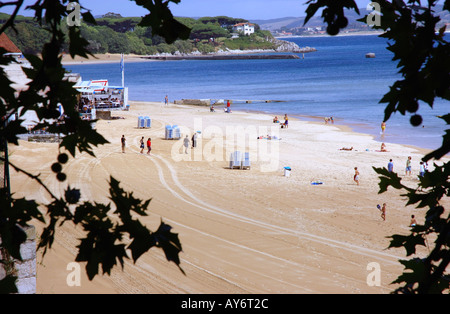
<point x="116" y="34"/>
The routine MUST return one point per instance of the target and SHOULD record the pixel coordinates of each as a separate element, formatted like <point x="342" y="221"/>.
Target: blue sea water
<point x="337" y="80"/>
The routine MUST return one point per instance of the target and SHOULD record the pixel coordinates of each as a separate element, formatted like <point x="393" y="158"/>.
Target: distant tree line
<point x="116" y="34"/>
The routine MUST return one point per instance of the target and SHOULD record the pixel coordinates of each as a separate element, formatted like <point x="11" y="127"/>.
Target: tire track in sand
<point x="180" y="191"/>
<point x="195" y="201"/>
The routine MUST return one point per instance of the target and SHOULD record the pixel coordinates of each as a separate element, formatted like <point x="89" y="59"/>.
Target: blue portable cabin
<point x="141" y="122"/>
<point x="148" y="122"/>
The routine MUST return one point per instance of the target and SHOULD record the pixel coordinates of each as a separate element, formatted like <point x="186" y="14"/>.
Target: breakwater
<point x="223" y="57"/>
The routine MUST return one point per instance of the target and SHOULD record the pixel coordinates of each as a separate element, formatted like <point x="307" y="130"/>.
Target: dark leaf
<point x="169" y="243"/>
<point x="408" y="242"/>
<point x="89" y="18"/>
<point x="78" y="45"/>
<point x="162" y="21"/>
<point x="12" y="238"/>
<point x="8" y="285"/>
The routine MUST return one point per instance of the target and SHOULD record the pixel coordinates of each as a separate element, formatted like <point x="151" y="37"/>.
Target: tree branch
<point x="34" y="177"/>
<point x="10" y="22"/>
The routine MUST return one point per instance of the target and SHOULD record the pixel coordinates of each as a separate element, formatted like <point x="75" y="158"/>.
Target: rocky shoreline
<point x="282" y="46"/>
<point x="281" y="51"/>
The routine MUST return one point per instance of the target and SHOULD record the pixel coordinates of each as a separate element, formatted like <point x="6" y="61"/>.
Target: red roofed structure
<point x="245" y="28"/>
<point x="7" y="44"/>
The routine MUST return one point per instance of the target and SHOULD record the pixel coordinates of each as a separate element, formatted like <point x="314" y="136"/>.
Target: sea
<point x="335" y="81"/>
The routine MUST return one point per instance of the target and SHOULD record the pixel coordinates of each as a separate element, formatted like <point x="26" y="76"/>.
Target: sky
<point x="246" y="9"/>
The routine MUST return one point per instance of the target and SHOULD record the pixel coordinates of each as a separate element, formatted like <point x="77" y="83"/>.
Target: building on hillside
<point x="244" y="28"/>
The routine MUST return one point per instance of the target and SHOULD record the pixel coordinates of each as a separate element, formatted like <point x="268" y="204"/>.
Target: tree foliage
<point x="423" y="57"/>
<point x="105" y="225"/>
<point x="115" y="34"/>
<point x="207" y="31"/>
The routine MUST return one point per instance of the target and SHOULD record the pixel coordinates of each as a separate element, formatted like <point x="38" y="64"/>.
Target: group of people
<point x="390" y="167"/>
<point x="423" y="167"/>
<point x="283" y="125"/>
<point x="186" y="142"/>
<point x="85" y="105"/>
<point x="382" y="209"/>
<point x="329" y="119"/>
<point x="141" y="144"/>
<point x="226" y="109"/>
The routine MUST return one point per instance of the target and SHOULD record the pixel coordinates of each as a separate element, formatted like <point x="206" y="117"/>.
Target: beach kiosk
<point x="98" y="95"/>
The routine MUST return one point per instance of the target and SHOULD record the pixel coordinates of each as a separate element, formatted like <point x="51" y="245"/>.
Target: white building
<point x="244" y="28"/>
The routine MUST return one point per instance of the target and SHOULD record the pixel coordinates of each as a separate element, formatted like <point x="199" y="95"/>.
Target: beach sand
<point x="102" y="58"/>
<point x="243" y="231"/>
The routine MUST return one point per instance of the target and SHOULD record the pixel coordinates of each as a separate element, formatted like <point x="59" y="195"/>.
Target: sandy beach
<point x="252" y="231"/>
<point x="102" y="58"/>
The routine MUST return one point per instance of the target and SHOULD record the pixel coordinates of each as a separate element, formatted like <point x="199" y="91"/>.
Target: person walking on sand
<point x="141" y="145"/>
<point x="166" y="100"/>
<point x="186" y="144"/>
<point x="390" y="166"/>
<point x="123" y="141"/>
<point x="408" y="166"/>
<point x="356" y="176"/>
<point x="286" y="121"/>
<point x="149" y="146"/>
<point x="383" y="212"/>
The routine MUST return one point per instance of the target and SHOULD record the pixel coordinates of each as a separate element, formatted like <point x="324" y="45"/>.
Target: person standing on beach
<point x="149" y="146"/>
<point x="421" y="169"/>
<point x="390" y="166"/>
<point x="194" y="140"/>
<point x="408" y="166"/>
<point x="356" y="176"/>
<point x="286" y="121"/>
<point x="413" y="222"/>
<point x="228" y="107"/>
<point x="141" y="145"/>
<point x="166" y="100"/>
<point x="186" y="144"/>
<point x="123" y="141"/>
<point x="383" y="127"/>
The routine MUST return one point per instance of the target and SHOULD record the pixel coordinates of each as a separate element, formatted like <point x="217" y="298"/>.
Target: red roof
<point x="242" y="24"/>
<point x="7" y="44"/>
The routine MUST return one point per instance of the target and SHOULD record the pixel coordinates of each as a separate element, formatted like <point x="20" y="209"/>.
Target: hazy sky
<point x="246" y="9"/>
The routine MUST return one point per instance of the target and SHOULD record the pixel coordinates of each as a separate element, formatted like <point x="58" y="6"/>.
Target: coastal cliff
<point x="288" y="46"/>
